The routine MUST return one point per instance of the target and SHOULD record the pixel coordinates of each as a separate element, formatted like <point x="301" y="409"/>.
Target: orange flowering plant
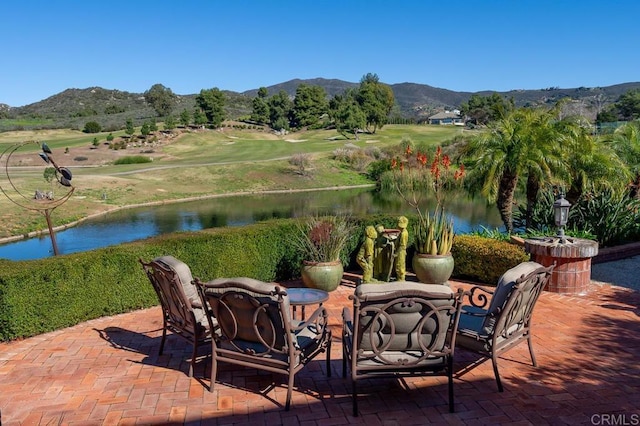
<point x="413" y="177"/>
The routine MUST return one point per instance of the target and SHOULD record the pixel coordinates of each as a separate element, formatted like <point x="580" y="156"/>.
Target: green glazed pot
<point x="322" y="275"/>
<point x="433" y="268"/>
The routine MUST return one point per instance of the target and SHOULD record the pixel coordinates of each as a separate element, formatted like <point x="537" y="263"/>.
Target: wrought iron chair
<point x="400" y="329"/>
<point x="491" y="327"/>
<point x="182" y="312"/>
<point x="257" y="330"/>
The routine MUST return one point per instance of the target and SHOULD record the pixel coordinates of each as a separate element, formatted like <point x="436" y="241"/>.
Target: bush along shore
<point x="43" y="295"/>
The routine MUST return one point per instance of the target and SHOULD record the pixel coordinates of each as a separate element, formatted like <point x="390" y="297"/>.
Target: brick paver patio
<point x="107" y="371"/>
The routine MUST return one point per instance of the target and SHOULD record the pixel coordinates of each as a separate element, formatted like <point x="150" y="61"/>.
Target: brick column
<point x="572" y="273"/>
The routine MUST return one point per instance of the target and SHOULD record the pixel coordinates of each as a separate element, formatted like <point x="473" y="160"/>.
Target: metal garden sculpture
<point x="43" y="205"/>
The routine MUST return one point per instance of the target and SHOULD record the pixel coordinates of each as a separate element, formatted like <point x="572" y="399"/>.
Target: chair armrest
<point x="479" y="297"/>
<point x="318" y="319"/>
<point x="347" y="316"/>
<point x="347" y="322"/>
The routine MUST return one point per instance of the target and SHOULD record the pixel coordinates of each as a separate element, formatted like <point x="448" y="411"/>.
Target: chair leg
<point x="164" y="336"/>
<point x="289" y="390"/>
<point x="344" y="362"/>
<point x="450" y="374"/>
<point x="354" y="397"/>
<point x="214" y="370"/>
<point x="329" y="358"/>
<point x="533" y="357"/>
<point x="494" y="360"/>
<point x="194" y="355"/>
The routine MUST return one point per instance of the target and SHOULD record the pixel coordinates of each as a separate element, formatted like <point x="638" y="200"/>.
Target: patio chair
<point x="491" y="327"/>
<point x="257" y="330"/>
<point x="400" y="329"/>
<point x="182" y="312"/>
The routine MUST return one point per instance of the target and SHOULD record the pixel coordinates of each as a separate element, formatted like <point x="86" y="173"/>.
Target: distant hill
<point x="72" y="108"/>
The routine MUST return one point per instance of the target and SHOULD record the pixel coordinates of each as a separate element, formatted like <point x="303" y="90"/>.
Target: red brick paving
<point x="108" y="372"/>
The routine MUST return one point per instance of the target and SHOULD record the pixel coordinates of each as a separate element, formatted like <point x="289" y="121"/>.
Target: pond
<point x="142" y="222"/>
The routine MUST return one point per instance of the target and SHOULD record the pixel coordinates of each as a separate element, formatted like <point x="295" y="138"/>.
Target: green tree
<point x="161" y="99"/>
<point x="346" y="114"/>
<point x="92" y="127"/>
<point x="523" y="144"/>
<point x="629" y="105"/>
<point x="129" y="129"/>
<point x="260" y="107"/>
<point x="607" y="115"/>
<point x="376" y="101"/>
<point x="590" y="164"/>
<point x="145" y="130"/>
<point x="185" y="117"/>
<point x="199" y="118"/>
<point x="170" y="123"/>
<point x="110" y="137"/>
<point x="280" y="107"/>
<point x="211" y="102"/>
<point x="483" y="109"/>
<point x="114" y="109"/>
<point x="626" y="142"/>
<point x="309" y="105"/>
<point x="49" y="174"/>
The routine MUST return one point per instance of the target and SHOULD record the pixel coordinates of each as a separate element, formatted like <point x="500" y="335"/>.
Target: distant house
<point x="447" y="117"/>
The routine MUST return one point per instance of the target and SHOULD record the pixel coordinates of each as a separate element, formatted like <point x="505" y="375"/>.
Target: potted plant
<point x="321" y="240"/>
<point x="433" y="232"/>
<point x="433" y="262"/>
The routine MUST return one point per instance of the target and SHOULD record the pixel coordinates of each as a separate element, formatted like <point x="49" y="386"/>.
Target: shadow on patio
<point x="107" y="371"/>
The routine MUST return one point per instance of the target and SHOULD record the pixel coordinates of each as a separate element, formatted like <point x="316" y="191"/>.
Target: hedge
<point x="43" y="295"/>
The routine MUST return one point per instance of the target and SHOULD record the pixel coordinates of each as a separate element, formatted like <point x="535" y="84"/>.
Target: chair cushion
<point x="184" y="275"/>
<point x="400" y="288"/>
<point x="189" y="289"/>
<point x="503" y="288"/>
<point x="240" y="319"/>
<point x="473" y="323"/>
<point x="260" y="288"/>
<point x="397" y="330"/>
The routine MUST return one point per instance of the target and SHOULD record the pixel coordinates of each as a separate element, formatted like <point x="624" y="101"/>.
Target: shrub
<point x="484" y="259"/>
<point x="38" y="296"/>
<point x="92" y="127"/>
<point x="610" y="217"/>
<point x="301" y="161"/>
<point x="132" y="159"/>
<point x="118" y="145"/>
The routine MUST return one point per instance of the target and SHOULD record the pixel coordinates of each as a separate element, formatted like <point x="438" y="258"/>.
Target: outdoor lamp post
<point x="561" y="215"/>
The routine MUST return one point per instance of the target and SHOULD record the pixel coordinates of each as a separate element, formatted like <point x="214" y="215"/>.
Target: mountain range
<point x="111" y="107"/>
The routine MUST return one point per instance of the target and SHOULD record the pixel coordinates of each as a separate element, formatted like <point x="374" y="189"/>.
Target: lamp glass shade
<point x="561" y="211"/>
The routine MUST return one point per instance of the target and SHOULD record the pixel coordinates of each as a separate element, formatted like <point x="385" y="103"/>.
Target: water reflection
<point x="138" y="223"/>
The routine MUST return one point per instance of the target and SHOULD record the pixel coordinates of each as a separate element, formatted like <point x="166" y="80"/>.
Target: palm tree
<point x="524" y="143"/>
<point x="591" y="163"/>
<point x="626" y="142"/>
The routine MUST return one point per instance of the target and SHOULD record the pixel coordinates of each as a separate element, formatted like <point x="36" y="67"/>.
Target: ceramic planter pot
<point x="322" y="275"/>
<point x="433" y="268"/>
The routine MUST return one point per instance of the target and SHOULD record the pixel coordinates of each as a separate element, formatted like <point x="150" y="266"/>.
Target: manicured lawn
<point x="191" y="165"/>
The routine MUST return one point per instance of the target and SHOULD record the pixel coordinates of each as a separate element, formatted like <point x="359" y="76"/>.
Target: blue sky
<point x="52" y="45"/>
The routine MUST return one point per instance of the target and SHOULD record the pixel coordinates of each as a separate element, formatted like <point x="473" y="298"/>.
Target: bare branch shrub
<point x="301" y="161"/>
